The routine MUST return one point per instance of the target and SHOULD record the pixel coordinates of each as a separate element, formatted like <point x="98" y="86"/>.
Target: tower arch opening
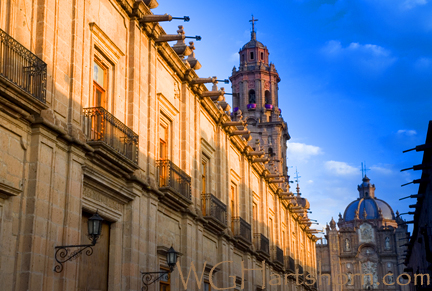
<point x="267" y="97"/>
<point x="252" y="97"/>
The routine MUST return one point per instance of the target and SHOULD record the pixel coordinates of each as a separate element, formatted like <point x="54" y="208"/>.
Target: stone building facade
<point x="99" y="113"/>
<point x="418" y="258"/>
<point x="366" y="252"/>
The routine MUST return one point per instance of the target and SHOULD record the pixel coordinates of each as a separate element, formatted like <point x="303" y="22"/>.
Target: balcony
<point x="291" y="264"/>
<point x="242" y="230"/>
<point x="215" y="211"/>
<point x="300" y="272"/>
<point x="110" y="136"/>
<point x="278" y="256"/>
<point x="21" y="68"/>
<point x="262" y="244"/>
<point x="175" y="183"/>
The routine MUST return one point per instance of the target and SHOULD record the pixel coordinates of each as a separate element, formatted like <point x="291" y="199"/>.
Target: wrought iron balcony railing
<point x="242" y="229"/>
<point x="300" y="271"/>
<point x="21" y="67"/>
<point x="291" y="264"/>
<point x="100" y="126"/>
<point x="262" y="243"/>
<point x="279" y="255"/>
<point x="171" y="176"/>
<point x="214" y="208"/>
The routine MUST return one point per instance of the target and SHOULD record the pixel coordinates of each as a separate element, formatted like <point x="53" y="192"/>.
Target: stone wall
<point x="50" y="174"/>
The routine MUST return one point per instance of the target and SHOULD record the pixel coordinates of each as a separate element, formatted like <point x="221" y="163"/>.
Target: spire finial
<point x="364" y="169"/>
<point x="253" y="33"/>
<point x="297" y="180"/>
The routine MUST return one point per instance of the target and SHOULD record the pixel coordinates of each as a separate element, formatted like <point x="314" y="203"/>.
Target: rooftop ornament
<point x="180" y="47"/>
<point x="193" y="62"/>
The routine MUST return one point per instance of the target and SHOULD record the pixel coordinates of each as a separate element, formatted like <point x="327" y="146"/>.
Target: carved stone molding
<point x="99" y="197"/>
<point x="7" y="190"/>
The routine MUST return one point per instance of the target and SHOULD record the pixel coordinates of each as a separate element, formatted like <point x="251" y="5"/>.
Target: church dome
<point x="252" y="44"/>
<point x="368" y="204"/>
<point x="372" y="206"/>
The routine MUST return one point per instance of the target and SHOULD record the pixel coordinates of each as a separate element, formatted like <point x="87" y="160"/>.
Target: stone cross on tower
<point x="253" y="20"/>
<point x="253" y="34"/>
<point x="364" y="169"/>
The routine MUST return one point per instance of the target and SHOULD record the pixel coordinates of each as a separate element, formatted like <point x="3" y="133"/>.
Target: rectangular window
<point x="232" y="205"/>
<point x="255" y="217"/>
<point x="163" y="141"/>
<point x="262" y="56"/>
<point x="270" y="230"/>
<point x="163" y="153"/>
<point x="251" y="55"/>
<point x="283" y="240"/>
<point x="204" y="165"/>
<point x="99" y="83"/>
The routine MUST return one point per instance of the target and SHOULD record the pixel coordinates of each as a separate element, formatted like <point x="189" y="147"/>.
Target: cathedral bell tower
<point x="255" y="99"/>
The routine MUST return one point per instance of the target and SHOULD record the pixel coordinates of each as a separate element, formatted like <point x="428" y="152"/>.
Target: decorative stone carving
<point x="387" y="243"/>
<point x="332" y="224"/>
<point x="368" y="269"/>
<point x="151" y="3"/>
<point x="366" y="233"/>
<point x="92" y="194"/>
<point x="347" y="244"/>
<point x="350" y="282"/>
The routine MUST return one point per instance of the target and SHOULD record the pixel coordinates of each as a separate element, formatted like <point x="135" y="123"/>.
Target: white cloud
<point x="371" y="56"/>
<point x="381" y="170"/>
<point x="410" y="132"/>
<point x="409" y="4"/>
<point x="310" y="182"/>
<point x="423" y="63"/>
<point x="373" y="49"/>
<point x="332" y="47"/>
<point x="301" y="151"/>
<point x="340" y="168"/>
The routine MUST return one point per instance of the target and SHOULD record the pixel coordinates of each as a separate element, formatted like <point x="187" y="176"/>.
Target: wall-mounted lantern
<point x="66" y="253"/>
<point x="149" y="278"/>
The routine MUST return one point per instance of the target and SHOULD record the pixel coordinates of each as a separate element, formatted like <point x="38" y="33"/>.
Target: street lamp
<point x="64" y="253"/>
<point x="149" y="278"/>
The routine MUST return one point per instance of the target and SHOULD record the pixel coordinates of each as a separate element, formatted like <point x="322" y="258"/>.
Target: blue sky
<point x="356" y="85"/>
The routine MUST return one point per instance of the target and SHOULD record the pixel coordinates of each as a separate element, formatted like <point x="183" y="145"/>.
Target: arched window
<point x="242" y="57"/>
<point x="267" y="97"/>
<point x="252" y="122"/>
<point x="262" y="56"/>
<point x="252" y="99"/>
